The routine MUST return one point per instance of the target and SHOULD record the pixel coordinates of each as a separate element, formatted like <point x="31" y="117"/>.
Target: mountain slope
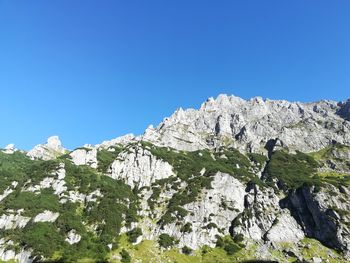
<point x="235" y="180"/>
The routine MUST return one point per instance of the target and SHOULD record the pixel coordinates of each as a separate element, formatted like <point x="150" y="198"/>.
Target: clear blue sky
<point x="94" y="70"/>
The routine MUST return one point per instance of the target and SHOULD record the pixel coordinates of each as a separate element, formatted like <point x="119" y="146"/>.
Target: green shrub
<point x="220" y="241"/>
<point x="211" y="225"/>
<point x="232" y="248"/>
<point x="228" y="244"/>
<point x="18" y="167"/>
<point x="166" y="241"/>
<point x="238" y="238"/>
<point x="134" y="234"/>
<point x="48" y="239"/>
<point x="292" y="170"/>
<point x="186" y="250"/>
<point x="186" y="228"/>
<point x="258" y="159"/>
<point x="125" y="256"/>
<point x="32" y="203"/>
<point x="43" y="238"/>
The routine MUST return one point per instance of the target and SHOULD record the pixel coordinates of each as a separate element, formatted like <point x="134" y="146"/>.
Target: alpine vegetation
<point x="233" y="181"/>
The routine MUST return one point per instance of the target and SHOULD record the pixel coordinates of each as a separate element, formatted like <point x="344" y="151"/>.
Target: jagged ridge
<point x="226" y="178"/>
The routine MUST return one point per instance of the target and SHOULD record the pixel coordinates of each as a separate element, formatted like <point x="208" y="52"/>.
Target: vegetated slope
<point x="216" y="196"/>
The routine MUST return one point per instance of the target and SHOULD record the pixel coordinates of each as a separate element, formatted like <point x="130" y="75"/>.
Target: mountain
<point x="234" y="181"/>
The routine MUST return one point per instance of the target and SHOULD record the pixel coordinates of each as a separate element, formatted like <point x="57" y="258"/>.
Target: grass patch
<point x="335" y="178"/>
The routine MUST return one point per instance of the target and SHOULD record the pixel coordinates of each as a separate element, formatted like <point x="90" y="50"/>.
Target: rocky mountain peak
<point x="222" y="101"/>
<point x="50" y="150"/>
<point x="54" y="142"/>
<point x="9" y="149"/>
<point x="250" y="124"/>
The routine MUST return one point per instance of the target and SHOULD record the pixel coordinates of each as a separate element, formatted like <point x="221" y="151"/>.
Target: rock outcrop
<point x="48" y="151"/>
<point x="137" y="166"/>
<point x="46" y="216"/>
<point x="73" y="237"/>
<point x="22" y="256"/>
<point x="212" y="214"/>
<point x="321" y="215"/>
<point x="85" y="156"/>
<point x="10" y="149"/>
<point x="12" y="221"/>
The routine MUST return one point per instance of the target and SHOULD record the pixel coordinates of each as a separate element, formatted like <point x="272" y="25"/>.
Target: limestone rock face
<point x="250" y="124"/>
<point x="264" y="218"/>
<point x="213" y="213"/>
<point x="285" y="229"/>
<point x="210" y="216"/>
<point x="316" y="212"/>
<point x="12" y="221"/>
<point x="46" y="216"/>
<point x="22" y="256"/>
<point x="138" y="166"/>
<point x="48" y="151"/>
<point x="10" y="149"/>
<point x="8" y="190"/>
<point x="123" y="140"/>
<point x="55" y="181"/>
<point x="85" y="156"/>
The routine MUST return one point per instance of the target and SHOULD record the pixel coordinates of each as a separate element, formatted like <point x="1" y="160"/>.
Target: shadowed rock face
<point x="316" y="221"/>
<point x="344" y="110"/>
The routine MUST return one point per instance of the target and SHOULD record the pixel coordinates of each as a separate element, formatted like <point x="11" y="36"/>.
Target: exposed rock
<point x="13" y="221"/>
<point x="8" y="190"/>
<point x="23" y="256"/>
<point x="73" y="237"/>
<point x="75" y="196"/>
<point x="85" y="156"/>
<point x="316" y="213"/>
<point x="285" y="229"/>
<point x="10" y="149"/>
<point x="6" y="193"/>
<point x="261" y="210"/>
<point x="92" y="197"/>
<point x="55" y="181"/>
<point x="217" y="206"/>
<point x="138" y="166"/>
<point x="317" y="260"/>
<point x="60" y="172"/>
<point x="123" y="140"/>
<point x="48" y="151"/>
<point x="344" y="110"/>
<point x="249" y="124"/>
<point x="46" y="216"/>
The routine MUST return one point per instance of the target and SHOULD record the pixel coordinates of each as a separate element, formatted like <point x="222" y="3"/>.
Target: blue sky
<point x="94" y="70"/>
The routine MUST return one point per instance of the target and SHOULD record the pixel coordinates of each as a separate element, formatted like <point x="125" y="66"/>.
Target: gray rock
<point x="48" y="151"/>
<point x="250" y="124"/>
<point x="137" y="166"/>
